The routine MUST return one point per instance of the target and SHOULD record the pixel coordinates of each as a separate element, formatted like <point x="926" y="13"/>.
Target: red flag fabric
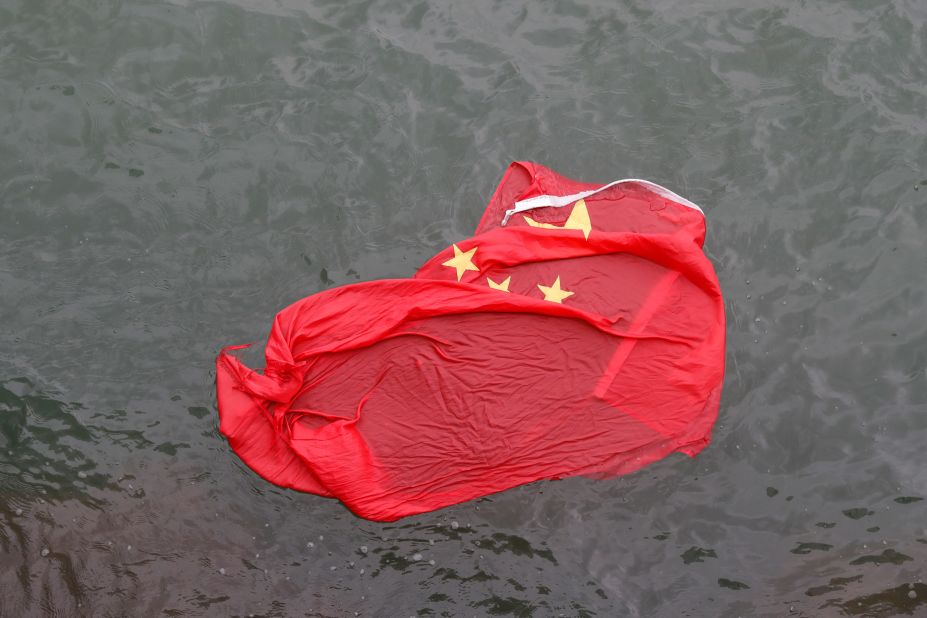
<point x="636" y="257"/>
<point x="570" y="336"/>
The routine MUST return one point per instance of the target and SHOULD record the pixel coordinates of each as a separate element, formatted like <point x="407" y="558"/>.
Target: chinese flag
<point x="579" y="332"/>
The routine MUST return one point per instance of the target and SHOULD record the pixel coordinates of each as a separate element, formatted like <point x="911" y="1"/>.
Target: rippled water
<point x="173" y="173"/>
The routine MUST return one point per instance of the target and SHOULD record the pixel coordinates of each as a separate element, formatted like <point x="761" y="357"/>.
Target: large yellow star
<point x="578" y="220"/>
<point x="554" y="293"/>
<point x="462" y="261"/>
<point x="504" y="286"/>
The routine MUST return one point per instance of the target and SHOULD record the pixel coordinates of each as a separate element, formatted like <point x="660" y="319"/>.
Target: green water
<point x="173" y="173"/>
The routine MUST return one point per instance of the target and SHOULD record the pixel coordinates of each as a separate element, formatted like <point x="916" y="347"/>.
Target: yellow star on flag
<point x="578" y="220"/>
<point x="554" y="293"/>
<point x="504" y="286"/>
<point x="462" y="261"/>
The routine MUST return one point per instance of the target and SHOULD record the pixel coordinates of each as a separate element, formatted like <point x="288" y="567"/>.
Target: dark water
<point x="173" y="173"/>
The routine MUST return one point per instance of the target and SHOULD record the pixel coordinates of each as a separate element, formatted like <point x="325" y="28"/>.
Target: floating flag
<point x="579" y="332"/>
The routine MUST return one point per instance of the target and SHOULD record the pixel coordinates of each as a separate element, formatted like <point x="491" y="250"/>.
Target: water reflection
<point x="900" y="600"/>
<point x="44" y="452"/>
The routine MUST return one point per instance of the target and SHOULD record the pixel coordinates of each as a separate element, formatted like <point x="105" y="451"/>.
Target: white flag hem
<point x="559" y="201"/>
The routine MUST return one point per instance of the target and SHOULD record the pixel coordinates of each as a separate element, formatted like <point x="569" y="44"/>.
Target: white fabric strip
<point x="559" y="201"/>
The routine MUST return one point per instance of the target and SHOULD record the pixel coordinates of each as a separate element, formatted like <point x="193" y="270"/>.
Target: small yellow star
<point x="504" y="286"/>
<point x="578" y="220"/>
<point x="554" y="293"/>
<point x="462" y="261"/>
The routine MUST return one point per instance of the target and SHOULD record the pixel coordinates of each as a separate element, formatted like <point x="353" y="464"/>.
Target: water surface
<point x="173" y="173"/>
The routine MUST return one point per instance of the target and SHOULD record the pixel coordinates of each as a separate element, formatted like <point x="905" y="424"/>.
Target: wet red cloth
<point x="581" y="339"/>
